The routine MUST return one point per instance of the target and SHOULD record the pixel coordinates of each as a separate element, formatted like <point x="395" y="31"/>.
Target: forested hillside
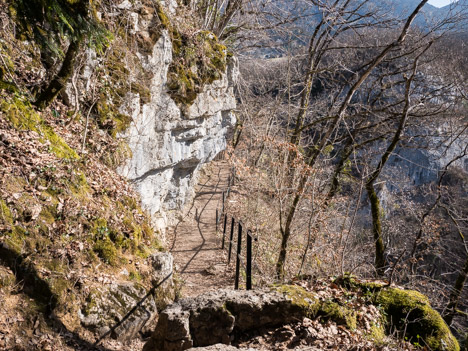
<point x="352" y="149"/>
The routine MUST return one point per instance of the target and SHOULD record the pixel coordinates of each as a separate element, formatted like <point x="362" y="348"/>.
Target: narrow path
<point x="198" y="257"/>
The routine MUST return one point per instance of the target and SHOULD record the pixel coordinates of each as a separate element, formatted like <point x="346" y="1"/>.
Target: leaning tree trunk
<point x="60" y="80"/>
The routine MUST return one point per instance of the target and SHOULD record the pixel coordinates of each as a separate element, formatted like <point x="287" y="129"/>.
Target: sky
<point x="439" y="3"/>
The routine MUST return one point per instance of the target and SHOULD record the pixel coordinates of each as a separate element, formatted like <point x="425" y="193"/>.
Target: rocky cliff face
<point x="169" y="141"/>
<point x="93" y="257"/>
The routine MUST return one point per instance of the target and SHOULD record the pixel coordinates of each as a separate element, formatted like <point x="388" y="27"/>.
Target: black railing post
<point x="248" y="272"/>
<point x="239" y="246"/>
<point x="230" y="240"/>
<point x="224" y="198"/>
<point x="224" y="231"/>
<point x="216" y="222"/>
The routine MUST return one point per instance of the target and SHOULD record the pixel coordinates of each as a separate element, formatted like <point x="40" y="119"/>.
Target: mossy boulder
<point x="314" y="307"/>
<point x="339" y="314"/>
<point x="215" y="317"/>
<point x="305" y="300"/>
<point x="411" y="311"/>
<point x="407" y="312"/>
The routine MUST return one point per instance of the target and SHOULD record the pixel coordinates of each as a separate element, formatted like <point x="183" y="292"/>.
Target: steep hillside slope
<point x="79" y="247"/>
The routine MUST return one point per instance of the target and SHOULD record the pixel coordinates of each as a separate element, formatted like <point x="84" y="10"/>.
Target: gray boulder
<point x="162" y="264"/>
<point x="108" y="307"/>
<point x="212" y="318"/>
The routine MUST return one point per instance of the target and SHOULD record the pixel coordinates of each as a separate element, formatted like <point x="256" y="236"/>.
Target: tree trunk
<point x="376" y="228"/>
<point x="286" y="231"/>
<point x="456" y="294"/>
<point x="60" y="80"/>
<point x="340" y="166"/>
<point x="237" y="133"/>
<point x="371" y="193"/>
<point x="282" y="255"/>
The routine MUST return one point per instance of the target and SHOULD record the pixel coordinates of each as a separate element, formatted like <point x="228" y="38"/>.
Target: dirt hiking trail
<point x="193" y="242"/>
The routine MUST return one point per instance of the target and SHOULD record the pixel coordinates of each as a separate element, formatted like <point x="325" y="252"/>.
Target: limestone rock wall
<point x="170" y="143"/>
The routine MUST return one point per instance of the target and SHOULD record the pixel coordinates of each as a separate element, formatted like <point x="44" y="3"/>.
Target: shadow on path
<point x="194" y="243"/>
<point x="197" y="217"/>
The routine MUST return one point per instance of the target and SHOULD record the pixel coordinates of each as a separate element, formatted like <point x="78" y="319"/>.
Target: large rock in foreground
<point x="307" y="315"/>
<point x="211" y="318"/>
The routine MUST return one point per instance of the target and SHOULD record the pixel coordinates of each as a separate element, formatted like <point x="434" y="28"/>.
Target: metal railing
<point x="222" y="214"/>
<point x="247" y="265"/>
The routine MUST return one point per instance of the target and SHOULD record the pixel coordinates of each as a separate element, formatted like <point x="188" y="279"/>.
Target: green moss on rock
<point x="198" y="59"/>
<point x="7" y="278"/>
<point x="350" y="282"/>
<point x="110" y="118"/>
<point x="6" y="65"/>
<point x="106" y="251"/>
<point x="15" y="238"/>
<point x="411" y="311"/>
<point x="59" y="287"/>
<point x="314" y="307"/>
<point x="5" y="213"/>
<point x="23" y="117"/>
<point x="339" y="314"/>
<point x="309" y="303"/>
<point x="377" y="333"/>
<point x="406" y="311"/>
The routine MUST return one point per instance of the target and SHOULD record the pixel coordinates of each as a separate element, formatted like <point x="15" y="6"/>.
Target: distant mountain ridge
<point x="302" y="16"/>
<point x="429" y="14"/>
